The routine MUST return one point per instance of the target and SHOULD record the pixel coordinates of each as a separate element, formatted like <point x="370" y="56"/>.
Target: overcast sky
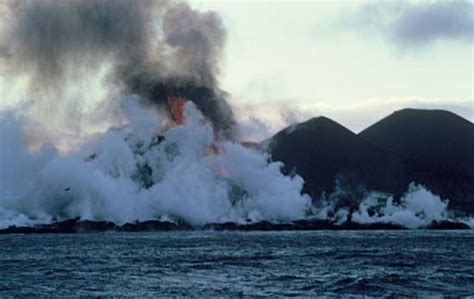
<point x="352" y="61"/>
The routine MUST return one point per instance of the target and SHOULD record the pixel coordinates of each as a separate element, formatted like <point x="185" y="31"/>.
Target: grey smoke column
<point x="154" y="48"/>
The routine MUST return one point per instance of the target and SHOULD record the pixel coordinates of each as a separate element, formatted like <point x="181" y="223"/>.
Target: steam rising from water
<point x="129" y="175"/>
<point x="418" y="207"/>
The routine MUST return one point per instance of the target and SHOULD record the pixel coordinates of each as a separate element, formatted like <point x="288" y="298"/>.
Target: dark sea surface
<point x="197" y="263"/>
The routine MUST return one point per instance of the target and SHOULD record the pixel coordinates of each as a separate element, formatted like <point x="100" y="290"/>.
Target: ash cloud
<point x="418" y="24"/>
<point x="153" y="49"/>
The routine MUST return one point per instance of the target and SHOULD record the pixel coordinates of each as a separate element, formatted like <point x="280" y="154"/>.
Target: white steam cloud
<point x="127" y="175"/>
<point x="417" y="208"/>
<point x="131" y="174"/>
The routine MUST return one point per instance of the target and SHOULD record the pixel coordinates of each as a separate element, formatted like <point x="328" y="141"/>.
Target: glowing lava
<point x="176" y="105"/>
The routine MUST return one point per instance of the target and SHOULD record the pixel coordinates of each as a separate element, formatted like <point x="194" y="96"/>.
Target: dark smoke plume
<point x="154" y="49"/>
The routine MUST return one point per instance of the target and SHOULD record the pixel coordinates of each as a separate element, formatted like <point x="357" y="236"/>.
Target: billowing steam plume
<point x="154" y="49"/>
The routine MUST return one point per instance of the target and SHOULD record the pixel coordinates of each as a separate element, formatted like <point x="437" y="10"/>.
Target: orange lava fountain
<point x="176" y="105"/>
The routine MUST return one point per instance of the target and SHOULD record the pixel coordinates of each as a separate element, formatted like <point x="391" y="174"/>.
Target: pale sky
<point x="352" y="61"/>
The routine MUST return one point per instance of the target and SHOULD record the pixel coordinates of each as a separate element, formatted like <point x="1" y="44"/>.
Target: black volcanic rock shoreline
<point x="85" y="226"/>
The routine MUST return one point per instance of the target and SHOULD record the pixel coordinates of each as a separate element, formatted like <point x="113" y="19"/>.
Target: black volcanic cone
<point x="433" y="136"/>
<point x="321" y="150"/>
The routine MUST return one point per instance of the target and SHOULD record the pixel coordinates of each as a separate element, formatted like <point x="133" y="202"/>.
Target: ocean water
<point x="197" y="263"/>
